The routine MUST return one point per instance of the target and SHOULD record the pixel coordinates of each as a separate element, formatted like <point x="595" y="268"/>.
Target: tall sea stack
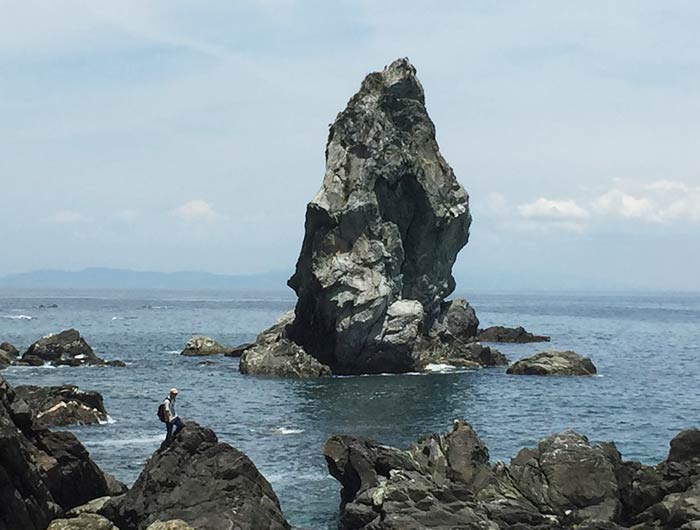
<point x="381" y="237"/>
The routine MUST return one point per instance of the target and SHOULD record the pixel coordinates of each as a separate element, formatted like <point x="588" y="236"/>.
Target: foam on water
<point x="18" y="317"/>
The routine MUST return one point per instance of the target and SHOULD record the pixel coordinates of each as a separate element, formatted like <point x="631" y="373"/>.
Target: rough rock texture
<point x="10" y="349"/>
<point x="199" y="345"/>
<point x="64" y="348"/>
<point x="175" y="524"/>
<point x="502" y="334"/>
<point x="42" y="473"/>
<point x="85" y="521"/>
<point x="446" y="482"/>
<point x="208" y="484"/>
<point x="381" y="237"/>
<point x="239" y="350"/>
<point x="63" y="405"/>
<point x="273" y="354"/>
<point x="5" y="359"/>
<point x="553" y="362"/>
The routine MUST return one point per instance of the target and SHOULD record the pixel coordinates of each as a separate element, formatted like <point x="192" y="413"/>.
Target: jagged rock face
<point x="386" y="226"/>
<point x="564" y="483"/>
<point x="208" y="484"/>
<point x="63" y="405"/>
<point x="42" y="473"/>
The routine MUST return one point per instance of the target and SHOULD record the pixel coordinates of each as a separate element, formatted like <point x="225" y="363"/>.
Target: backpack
<point x="161" y="412"/>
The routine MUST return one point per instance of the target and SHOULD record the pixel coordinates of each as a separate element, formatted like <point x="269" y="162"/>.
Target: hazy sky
<point x="171" y="135"/>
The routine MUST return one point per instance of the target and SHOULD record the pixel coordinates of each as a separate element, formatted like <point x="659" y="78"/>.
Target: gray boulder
<point x="174" y="524"/>
<point x="503" y="334"/>
<point x="8" y="355"/>
<point x="85" y="521"/>
<point x="9" y="349"/>
<point x="200" y="346"/>
<point x="553" y="362"/>
<point x="274" y="354"/>
<point x="201" y="481"/>
<point x="63" y="405"/>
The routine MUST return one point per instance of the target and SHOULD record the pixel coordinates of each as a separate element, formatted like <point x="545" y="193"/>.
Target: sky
<point x="170" y="135"/>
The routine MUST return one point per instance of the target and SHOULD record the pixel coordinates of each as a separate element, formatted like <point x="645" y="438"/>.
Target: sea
<point x="646" y="347"/>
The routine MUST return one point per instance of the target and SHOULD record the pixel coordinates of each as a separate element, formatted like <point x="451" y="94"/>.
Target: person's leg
<point x="169" y="430"/>
<point x="179" y="425"/>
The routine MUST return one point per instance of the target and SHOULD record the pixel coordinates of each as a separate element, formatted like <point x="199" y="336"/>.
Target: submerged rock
<point x="67" y="348"/>
<point x="199" y="346"/>
<point x="203" y="482"/>
<point x="503" y="334"/>
<point x="64" y="405"/>
<point x="42" y="473"/>
<point x="553" y="362"/>
<point x="381" y="237"/>
<point x="565" y="482"/>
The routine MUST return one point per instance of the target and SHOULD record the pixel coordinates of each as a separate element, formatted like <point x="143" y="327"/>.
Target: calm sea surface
<point x="646" y="348"/>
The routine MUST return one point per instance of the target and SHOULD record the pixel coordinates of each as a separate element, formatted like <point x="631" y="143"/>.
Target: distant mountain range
<point x="106" y="278"/>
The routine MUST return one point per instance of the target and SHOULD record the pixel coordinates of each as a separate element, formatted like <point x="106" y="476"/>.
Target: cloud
<point x="552" y="210"/>
<point x="197" y="210"/>
<point x="65" y="217"/>
<point x="661" y="201"/>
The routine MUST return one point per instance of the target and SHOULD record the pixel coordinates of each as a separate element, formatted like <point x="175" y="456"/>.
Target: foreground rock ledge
<point x="42" y="473"/>
<point x="381" y="237"/>
<point x="201" y="481"/>
<point x="565" y="482"/>
<point x="553" y="362"/>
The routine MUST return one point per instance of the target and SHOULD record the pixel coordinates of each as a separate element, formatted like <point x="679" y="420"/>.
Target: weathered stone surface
<point x="208" y="484"/>
<point x="174" y="524"/>
<point x="93" y="506"/>
<point x="63" y="405"/>
<point x="85" y="521"/>
<point x="274" y="354"/>
<point x="564" y="483"/>
<point x="42" y="473"/>
<point x="67" y="348"/>
<point x="503" y="334"/>
<point x="239" y="350"/>
<point x="5" y="359"/>
<point x="199" y="345"/>
<point x="552" y="362"/>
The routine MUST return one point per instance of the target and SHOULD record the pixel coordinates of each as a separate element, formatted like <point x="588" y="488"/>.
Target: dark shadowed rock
<point x="63" y="405"/>
<point x="199" y="346"/>
<point x="381" y="237"/>
<point x="10" y="349"/>
<point x="565" y="483"/>
<point x="239" y="350"/>
<point x="274" y="354"/>
<point x="208" y="484"/>
<point x="552" y="362"/>
<point x="502" y="334"/>
<point x="42" y="473"/>
<point x="66" y="348"/>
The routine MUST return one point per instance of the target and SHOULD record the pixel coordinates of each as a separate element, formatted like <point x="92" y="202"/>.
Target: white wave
<point x="110" y="420"/>
<point x="19" y="317"/>
<point x="172" y="352"/>
<point x="440" y="368"/>
<point x="145" y="440"/>
<point x="286" y="430"/>
<point x="117" y="318"/>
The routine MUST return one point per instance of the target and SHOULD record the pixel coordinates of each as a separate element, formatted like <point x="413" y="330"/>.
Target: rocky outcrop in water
<point x="503" y="334"/>
<point x="42" y="473"/>
<point x="208" y="484"/>
<point x="553" y="362"/>
<point x="67" y="348"/>
<point x="8" y="355"/>
<point x="9" y="349"/>
<point x="63" y="405"/>
<point x="565" y="482"/>
<point x="381" y="237"/>
<point x="201" y="346"/>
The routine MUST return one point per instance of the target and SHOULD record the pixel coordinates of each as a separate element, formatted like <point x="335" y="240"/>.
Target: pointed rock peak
<point x="397" y="80"/>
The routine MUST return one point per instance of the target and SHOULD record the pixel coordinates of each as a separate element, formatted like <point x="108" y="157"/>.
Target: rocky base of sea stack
<point x="402" y="345"/>
<point x="564" y="483"/>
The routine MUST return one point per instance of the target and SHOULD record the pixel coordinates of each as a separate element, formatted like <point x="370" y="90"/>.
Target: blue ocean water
<point x="646" y="347"/>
